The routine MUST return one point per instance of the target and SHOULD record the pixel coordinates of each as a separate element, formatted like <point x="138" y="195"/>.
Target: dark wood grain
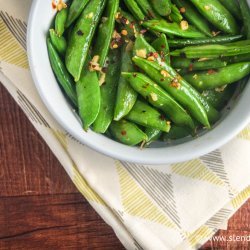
<point x="41" y="209"/>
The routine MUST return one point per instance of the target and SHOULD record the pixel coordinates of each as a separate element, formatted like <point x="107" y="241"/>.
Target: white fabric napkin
<point x="178" y="206"/>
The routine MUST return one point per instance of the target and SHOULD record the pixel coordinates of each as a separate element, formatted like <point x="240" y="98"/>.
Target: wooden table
<point x="39" y="206"/>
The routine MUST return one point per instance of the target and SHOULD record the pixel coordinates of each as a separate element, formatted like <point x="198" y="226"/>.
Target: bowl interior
<point x="234" y="117"/>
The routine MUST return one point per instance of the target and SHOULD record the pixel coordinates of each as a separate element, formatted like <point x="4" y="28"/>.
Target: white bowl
<point x="231" y="123"/>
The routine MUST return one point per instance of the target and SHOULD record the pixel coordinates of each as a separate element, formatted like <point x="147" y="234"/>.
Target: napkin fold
<point x="176" y="206"/>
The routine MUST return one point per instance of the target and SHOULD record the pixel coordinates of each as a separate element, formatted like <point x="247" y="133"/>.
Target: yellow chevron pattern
<point x="10" y="50"/>
<point x="241" y="198"/>
<point x="245" y="134"/>
<point x="136" y="202"/>
<point x="196" y="169"/>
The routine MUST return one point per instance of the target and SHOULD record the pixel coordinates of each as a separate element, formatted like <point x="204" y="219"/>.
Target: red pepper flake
<point x="162" y="117"/>
<point x="211" y="71"/>
<point x="163" y="46"/>
<point x="155" y="55"/>
<point x="123" y="132"/>
<point x="191" y="66"/>
<point x="53" y="5"/>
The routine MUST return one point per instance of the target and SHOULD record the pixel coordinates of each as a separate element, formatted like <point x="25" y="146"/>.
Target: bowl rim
<point x="165" y="155"/>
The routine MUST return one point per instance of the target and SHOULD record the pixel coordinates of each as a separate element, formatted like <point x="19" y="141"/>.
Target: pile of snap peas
<point x="139" y="71"/>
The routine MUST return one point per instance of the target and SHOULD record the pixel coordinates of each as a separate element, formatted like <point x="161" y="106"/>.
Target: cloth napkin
<point x="177" y="206"/>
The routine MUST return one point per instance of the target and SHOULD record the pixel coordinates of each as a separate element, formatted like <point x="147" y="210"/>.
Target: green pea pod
<point x="152" y="134"/>
<point x="239" y="58"/>
<point x="175" y="15"/>
<point x="218" y="78"/>
<point x="160" y="44"/>
<point x="233" y="7"/>
<point x="180" y="43"/>
<point x="144" y="115"/>
<point x="89" y="96"/>
<point x="142" y="45"/>
<point x="211" y="51"/>
<point x="191" y="65"/>
<point x="127" y="133"/>
<point x="128" y="23"/>
<point x="135" y="9"/>
<point x="59" y="43"/>
<point x="147" y="9"/>
<point x="175" y="133"/>
<point x="60" y="21"/>
<point x="108" y="93"/>
<point x="245" y="12"/>
<point x="172" y="29"/>
<point x="194" y="17"/>
<point x="162" y="7"/>
<point x="126" y="95"/>
<point x="105" y="31"/>
<point x="219" y="98"/>
<point x="61" y="73"/>
<point x="217" y="14"/>
<point x="75" y="10"/>
<point x="82" y="34"/>
<point x="182" y="93"/>
<point x="157" y="97"/>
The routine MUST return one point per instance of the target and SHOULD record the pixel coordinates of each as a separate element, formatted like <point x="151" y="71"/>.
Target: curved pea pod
<point x="61" y="73"/>
<point x="194" y="17"/>
<point x="135" y="9"/>
<point x="126" y="95"/>
<point x="191" y="65"/>
<point x="75" y="10"/>
<point x="59" y="43"/>
<point x="217" y="14"/>
<point x="147" y="9"/>
<point x="128" y="23"/>
<point x="105" y="32"/>
<point x="141" y="45"/>
<point x="127" y="133"/>
<point x="175" y="15"/>
<point x="180" y="43"/>
<point x="233" y="7"/>
<point x="158" y="98"/>
<point x="211" y="51"/>
<point x="179" y="91"/>
<point x="82" y="34"/>
<point x="88" y="96"/>
<point x="108" y="93"/>
<point x="245" y="12"/>
<point x="175" y="133"/>
<point x="219" y="98"/>
<point x="144" y="115"/>
<point x="217" y="78"/>
<point x="60" y="21"/>
<point x="152" y="134"/>
<point x="160" y="44"/>
<point x="162" y="7"/>
<point x="173" y="29"/>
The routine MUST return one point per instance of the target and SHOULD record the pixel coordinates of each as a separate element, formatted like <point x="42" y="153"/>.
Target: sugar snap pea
<point x="175" y="15"/>
<point x="105" y="31"/>
<point x="58" y="42"/>
<point x="211" y="51"/>
<point x="135" y="9"/>
<point x="144" y="115"/>
<point x="108" y="92"/>
<point x="147" y="9"/>
<point x="217" y="78"/>
<point x="160" y="44"/>
<point x="180" y="43"/>
<point x="162" y="7"/>
<point x="157" y="97"/>
<point x="245" y="12"/>
<point x="88" y="96"/>
<point x="126" y="95"/>
<point x="217" y="14"/>
<point x="75" y="10"/>
<point x="60" y="21"/>
<point x="239" y="58"/>
<point x="233" y="7"/>
<point x="62" y="75"/>
<point x="194" y="17"/>
<point x="82" y="34"/>
<point x="173" y="29"/>
<point x="152" y="134"/>
<point x="175" y="133"/>
<point x="127" y="132"/>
